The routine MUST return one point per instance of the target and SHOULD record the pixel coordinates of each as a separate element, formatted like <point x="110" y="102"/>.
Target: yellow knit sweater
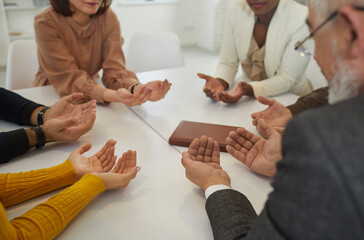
<point x="48" y="219"/>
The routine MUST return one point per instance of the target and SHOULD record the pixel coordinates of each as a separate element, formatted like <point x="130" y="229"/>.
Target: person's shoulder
<point x="295" y="11"/>
<point x="339" y="124"/>
<point x="48" y="16"/>
<point x="346" y="110"/>
<point x="109" y="16"/>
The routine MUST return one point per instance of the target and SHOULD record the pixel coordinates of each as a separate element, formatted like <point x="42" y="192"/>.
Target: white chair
<point x="22" y="64"/>
<point x="153" y="51"/>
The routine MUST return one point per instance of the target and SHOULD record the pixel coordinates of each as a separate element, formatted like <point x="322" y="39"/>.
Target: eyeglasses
<point x="299" y="45"/>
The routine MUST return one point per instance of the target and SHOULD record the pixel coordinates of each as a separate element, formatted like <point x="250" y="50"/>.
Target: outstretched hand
<point x="202" y="163"/>
<point x="102" y="164"/>
<point x="159" y="89"/>
<point x="212" y="86"/>
<point x="241" y="89"/>
<point x="256" y="153"/>
<point x="71" y="128"/>
<point x="124" y="171"/>
<point x="102" y="161"/>
<point x="124" y="96"/>
<point x="276" y="115"/>
<point x="67" y="107"/>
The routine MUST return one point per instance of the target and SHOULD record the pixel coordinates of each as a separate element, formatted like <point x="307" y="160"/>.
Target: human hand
<point x="241" y="89"/>
<point x="276" y="115"/>
<point x="124" y="96"/>
<point x="67" y="107"/>
<point x="102" y="161"/>
<point x="256" y="153"/>
<point x="159" y="89"/>
<point x="202" y="163"/>
<point x="213" y="86"/>
<point x="124" y="171"/>
<point x="71" y="128"/>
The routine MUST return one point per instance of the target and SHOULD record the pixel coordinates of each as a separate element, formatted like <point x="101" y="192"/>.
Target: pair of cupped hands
<point x="260" y="154"/>
<point x="152" y="91"/>
<point x="215" y="89"/>
<point x="67" y="121"/>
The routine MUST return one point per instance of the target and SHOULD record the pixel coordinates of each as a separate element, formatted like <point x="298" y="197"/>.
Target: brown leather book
<point x="187" y="131"/>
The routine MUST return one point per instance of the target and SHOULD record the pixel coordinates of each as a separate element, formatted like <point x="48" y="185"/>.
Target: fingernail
<point x="139" y="168"/>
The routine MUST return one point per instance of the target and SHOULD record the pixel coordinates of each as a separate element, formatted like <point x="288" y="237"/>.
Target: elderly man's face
<point x="324" y="52"/>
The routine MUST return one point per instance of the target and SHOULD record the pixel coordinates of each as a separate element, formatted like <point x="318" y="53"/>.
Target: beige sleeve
<point x="115" y="74"/>
<point x="59" y="66"/>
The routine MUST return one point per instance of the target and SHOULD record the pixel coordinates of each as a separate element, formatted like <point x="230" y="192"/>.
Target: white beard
<point x="344" y="84"/>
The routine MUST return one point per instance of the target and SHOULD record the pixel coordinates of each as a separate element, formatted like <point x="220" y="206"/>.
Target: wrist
<point x="34" y="116"/>
<point x="41" y="116"/>
<point x="36" y="137"/>
<point x="248" y="89"/>
<point x="223" y="83"/>
<point x="133" y="87"/>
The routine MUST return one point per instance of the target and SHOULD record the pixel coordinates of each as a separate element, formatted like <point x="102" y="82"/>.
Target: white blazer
<point x="284" y="66"/>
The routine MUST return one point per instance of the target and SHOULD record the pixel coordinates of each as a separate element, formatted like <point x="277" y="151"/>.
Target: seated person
<point x="76" y="39"/>
<point x="317" y="190"/>
<point x="88" y="177"/>
<point x="64" y="121"/>
<point x="255" y="38"/>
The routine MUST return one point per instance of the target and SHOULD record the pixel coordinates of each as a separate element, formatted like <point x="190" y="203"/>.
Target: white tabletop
<point x="160" y="203"/>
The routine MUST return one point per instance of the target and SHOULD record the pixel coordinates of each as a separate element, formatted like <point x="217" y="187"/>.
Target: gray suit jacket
<point x="318" y="189"/>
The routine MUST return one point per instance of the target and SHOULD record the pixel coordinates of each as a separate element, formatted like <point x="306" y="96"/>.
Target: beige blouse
<point x="69" y="55"/>
<point x="253" y="65"/>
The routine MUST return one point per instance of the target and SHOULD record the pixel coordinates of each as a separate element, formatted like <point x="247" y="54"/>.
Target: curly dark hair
<point x="63" y="7"/>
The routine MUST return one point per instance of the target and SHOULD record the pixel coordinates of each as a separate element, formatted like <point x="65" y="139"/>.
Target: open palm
<point x="102" y="161"/>
<point x="256" y="153"/>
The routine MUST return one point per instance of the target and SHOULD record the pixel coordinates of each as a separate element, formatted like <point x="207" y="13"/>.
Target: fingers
<point x="265" y="129"/>
<point x="209" y="149"/>
<point x="216" y="153"/>
<point x="84" y="148"/>
<point x="192" y="150"/>
<point x="75" y="97"/>
<point x="88" y="106"/>
<point x="108" y="145"/>
<point x="265" y="101"/>
<point x="236" y="154"/>
<point x="226" y="97"/>
<point x="240" y="140"/>
<point x="126" y="162"/>
<point x="201" y="149"/>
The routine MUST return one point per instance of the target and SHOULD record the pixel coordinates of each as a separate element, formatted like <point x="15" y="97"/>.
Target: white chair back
<point x="153" y="51"/>
<point x="22" y="64"/>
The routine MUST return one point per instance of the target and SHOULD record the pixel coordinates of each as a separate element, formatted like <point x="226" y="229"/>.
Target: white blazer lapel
<point x="277" y="40"/>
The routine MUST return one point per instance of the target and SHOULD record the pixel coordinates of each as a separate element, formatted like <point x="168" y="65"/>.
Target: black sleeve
<point x="231" y="214"/>
<point x="315" y="99"/>
<point x="14" y="108"/>
<point x="12" y="144"/>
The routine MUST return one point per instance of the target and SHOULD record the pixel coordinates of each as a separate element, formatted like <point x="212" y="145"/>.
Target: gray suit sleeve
<point x="317" y="191"/>
<point x="231" y="214"/>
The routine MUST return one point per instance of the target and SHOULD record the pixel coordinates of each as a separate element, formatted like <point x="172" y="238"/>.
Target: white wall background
<point x="176" y="17"/>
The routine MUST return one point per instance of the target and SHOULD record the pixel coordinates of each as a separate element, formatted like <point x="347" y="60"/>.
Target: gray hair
<point x="324" y="8"/>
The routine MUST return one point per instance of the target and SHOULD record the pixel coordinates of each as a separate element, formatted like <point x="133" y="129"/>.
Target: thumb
<point x="84" y="148"/>
<point x="75" y="97"/>
<point x="265" y="129"/>
<point x="123" y="93"/>
<point x="186" y="160"/>
<point x="203" y="76"/>
<point x="132" y="173"/>
<point x="265" y="101"/>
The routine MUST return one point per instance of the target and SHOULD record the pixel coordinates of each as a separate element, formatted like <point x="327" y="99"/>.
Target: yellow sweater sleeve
<point x="48" y="219"/>
<point x="19" y="187"/>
